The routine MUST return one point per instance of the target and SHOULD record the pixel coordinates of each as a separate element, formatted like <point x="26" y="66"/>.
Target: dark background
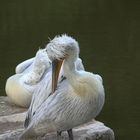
<point x="108" y="32"/>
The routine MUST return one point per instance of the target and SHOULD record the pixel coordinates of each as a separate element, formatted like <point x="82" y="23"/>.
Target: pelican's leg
<point x="70" y="134"/>
<point x="59" y="135"/>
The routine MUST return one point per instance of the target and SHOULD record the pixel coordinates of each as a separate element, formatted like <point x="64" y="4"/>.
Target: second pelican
<point x="28" y="78"/>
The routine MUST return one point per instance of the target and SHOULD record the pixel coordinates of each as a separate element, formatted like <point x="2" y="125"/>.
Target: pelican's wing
<point x="41" y="93"/>
<point x="20" y="68"/>
<point x="59" y="112"/>
<point x="34" y="119"/>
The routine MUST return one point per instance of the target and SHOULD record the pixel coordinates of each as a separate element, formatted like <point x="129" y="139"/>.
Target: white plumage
<point x="28" y="78"/>
<point x="77" y="100"/>
<point x="45" y="89"/>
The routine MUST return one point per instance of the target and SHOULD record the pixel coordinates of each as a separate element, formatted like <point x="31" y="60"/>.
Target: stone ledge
<point x="8" y="108"/>
<point x="12" y="118"/>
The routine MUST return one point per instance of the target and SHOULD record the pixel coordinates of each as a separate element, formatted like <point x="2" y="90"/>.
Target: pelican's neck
<point x="69" y="67"/>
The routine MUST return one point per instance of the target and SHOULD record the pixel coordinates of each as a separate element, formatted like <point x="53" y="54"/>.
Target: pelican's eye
<point x="61" y="58"/>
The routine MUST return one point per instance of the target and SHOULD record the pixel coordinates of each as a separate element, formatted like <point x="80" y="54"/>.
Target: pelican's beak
<point x="56" y="66"/>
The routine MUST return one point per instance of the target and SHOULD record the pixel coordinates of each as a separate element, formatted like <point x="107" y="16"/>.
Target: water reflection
<point x="108" y="33"/>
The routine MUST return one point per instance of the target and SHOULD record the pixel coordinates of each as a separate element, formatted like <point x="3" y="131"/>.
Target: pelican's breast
<point x="90" y="89"/>
<point x="17" y="92"/>
<point x="86" y="84"/>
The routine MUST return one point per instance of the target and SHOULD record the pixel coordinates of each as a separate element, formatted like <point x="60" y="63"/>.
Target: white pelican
<point x="76" y="100"/>
<point x="20" y="87"/>
<point x="45" y="89"/>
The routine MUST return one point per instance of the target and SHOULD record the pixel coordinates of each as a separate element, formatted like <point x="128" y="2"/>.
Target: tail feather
<point x="27" y="121"/>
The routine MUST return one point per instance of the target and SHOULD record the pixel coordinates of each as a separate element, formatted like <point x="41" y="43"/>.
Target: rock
<point x="11" y="122"/>
<point x="12" y="119"/>
<point x="8" y="108"/>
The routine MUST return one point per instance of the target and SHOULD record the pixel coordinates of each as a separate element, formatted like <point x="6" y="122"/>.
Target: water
<point x="108" y="33"/>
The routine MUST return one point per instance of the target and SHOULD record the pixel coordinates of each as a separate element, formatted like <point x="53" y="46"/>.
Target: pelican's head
<point x="58" y="49"/>
<point x="62" y="47"/>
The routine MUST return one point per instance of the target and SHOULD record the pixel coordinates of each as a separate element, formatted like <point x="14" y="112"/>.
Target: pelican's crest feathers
<point x="59" y="44"/>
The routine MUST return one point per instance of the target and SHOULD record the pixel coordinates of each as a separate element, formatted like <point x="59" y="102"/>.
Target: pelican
<point x="29" y="74"/>
<point x="43" y="92"/>
<point x="76" y="100"/>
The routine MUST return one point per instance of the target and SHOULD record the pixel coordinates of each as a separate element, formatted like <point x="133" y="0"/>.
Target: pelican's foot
<point x="70" y="134"/>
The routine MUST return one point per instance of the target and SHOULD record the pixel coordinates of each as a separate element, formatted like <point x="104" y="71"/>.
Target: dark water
<point x="109" y="35"/>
